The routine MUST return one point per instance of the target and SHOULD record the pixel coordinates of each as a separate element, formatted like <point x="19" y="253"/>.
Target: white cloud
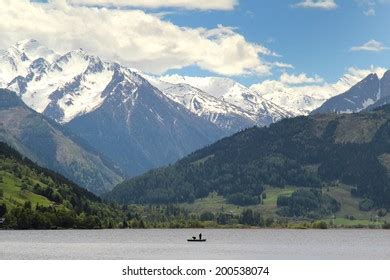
<point x="131" y="37"/>
<point x="184" y="4"/>
<point x="282" y="65"/>
<point x="317" y="4"/>
<point x="300" y="79"/>
<point x="357" y="74"/>
<point x="370" y="46"/>
<point x="299" y="83"/>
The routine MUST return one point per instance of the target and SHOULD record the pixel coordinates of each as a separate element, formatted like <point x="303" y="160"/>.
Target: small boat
<point x="196" y="240"/>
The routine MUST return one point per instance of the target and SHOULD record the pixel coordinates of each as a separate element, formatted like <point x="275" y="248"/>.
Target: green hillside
<point x="336" y="164"/>
<point x="49" y="144"/>
<point x="34" y="197"/>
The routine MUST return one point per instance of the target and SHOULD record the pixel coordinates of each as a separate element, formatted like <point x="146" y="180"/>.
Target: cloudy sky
<point x="292" y="41"/>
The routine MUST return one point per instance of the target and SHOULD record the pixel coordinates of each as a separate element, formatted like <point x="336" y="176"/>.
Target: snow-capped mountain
<point x="299" y="101"/>
<point x="227" y="91"/>
<point x="64" y="87"/>
<point x="69" y="86"/>
<point x="140" y="121"/>
<point x="13" y="63"/>
<point x="365" y="94"/>
<point x="223" y="114"/>
<point x="113" y="108"/>
<point x="302" y="99"/>
<point x="140" y="128"/>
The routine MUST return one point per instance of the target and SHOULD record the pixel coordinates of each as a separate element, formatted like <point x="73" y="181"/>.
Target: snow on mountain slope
<point x="298" y="100"/>
<point x="82" y="93"/>
<point x="301" y="99"/>
<point x="198" y="101"/>
<point x="61" y="87"/>
<point x="214" y="86"/>
<point x="139" y="128"/>
<point x="233" y="93"/>
<point x="223" y="114"/>
<point x="112" y="108"/>
<point x="368" y="94"/>
<point x="64" y="87"/>
<point x="13" y="63"/>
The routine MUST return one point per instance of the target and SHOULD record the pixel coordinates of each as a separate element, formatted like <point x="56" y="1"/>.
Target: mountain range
<point x="64" y="87"/>
<point x="121" y="122"/>
<point x="135" y="120"/>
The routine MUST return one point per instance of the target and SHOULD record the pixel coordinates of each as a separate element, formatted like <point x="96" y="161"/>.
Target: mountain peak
<point x="76" y="53"/>
<point x="372" y="76"/>
<point x="14" y="52"/>
<point x="359" y="97"/>
<point x="369" y="80"/>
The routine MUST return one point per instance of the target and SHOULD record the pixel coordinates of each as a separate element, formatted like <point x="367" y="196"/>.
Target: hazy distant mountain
<point x="368" y="94"/>
<point x="358" y="98"/>
<point x="260" y="111"/>
<point x="47" y="143"/>
<point x="225" y="115"/>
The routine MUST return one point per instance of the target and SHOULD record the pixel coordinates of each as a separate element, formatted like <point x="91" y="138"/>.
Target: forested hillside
<point x="306" y="152"/>
<point x="35" y="197"/>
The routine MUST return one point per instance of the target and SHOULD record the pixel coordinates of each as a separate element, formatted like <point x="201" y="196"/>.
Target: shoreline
<point x="218" y="228"/>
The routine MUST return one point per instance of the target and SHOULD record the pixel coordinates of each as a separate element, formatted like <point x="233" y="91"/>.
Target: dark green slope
<point x="311" y="152"/>
<point x="52" y="146"/>
<point x="35" y="197"/>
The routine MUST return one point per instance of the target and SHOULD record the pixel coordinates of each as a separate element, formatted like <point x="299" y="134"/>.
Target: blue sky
<point x="315" y="41"/>
<point x="316" y="37"/>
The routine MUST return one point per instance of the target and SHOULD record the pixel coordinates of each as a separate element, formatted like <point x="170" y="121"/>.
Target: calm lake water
<point x="243" y="244"/>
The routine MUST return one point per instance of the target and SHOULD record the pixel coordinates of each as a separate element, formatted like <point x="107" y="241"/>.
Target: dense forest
<point x="308" y="152"/>
<point x="308" y="203"/>
<point x="32" y="197"/>
<point x="174" y="216"/>
<point x="35" y="197"/>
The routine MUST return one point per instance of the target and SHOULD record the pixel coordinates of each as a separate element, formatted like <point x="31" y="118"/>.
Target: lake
<point x="242" y="244"/>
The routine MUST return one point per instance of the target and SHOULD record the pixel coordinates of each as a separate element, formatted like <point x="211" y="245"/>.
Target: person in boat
<point x="195" y="239"/>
